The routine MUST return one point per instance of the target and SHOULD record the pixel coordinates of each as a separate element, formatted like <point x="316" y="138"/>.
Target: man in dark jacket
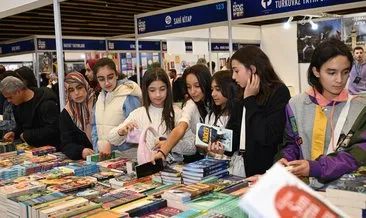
<point x="177" y="86"/>
<point x="36" y="113"/>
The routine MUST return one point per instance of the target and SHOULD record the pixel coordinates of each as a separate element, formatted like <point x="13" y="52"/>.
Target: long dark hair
<point x="252" y="55"/>
<point x="168" y="115"/>
<point x="325" y="51"/>
<point x="227" y="88"/>
<point x="204" y="79"/>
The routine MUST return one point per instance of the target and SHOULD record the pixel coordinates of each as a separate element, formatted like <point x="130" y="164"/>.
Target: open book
<point x="206" y="134"/>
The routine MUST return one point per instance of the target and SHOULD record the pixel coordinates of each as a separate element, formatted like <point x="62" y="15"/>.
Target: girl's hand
<point x="105" y="149"/>
<point x="253" y="179"/>
<point x="253" y="85"/>
<point x="156" y="156"/>
<point x="216" y="147"/>
<point x="127" y="128"/>
<point x="87" y="152"/>
<point x="300" y="167"/>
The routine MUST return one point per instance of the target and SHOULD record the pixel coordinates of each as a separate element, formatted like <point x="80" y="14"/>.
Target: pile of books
<point x="81" y="168"/>
<point x="179" y="196"/>
<point x="203" y="169"/>
<point x="12" y="172"/>
<point x="348" y="193"/>
<point x="172" y="174"/>
<point x="7" y="147"/>
<point x="41" y="150"/>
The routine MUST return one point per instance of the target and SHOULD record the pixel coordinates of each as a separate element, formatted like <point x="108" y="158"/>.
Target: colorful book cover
<point x="205" y="165"/>
<point x="206" y="134"/>
<point x="154" y="205"/>
<point x="163" y="212"/>
<point x="281" y="194"/>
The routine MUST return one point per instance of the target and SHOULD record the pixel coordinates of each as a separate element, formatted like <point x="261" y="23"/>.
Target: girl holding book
<point x="115" y="102"/>
<point x="75" y="118"/>
<point x="158" y="111"/>
<point x="223" y="90"/>
<point x="264" y="96"/>
<point x="197" y="80"/>
<point x="322" y="138"/>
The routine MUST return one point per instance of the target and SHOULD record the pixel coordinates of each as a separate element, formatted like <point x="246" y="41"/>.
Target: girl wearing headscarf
<point x="75" y="118"/>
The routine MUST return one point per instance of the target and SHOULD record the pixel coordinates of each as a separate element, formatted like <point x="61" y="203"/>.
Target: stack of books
<point x="177" y="197"/>
<point x="70" y="183"/>
<point x="172" y="174"/>
<point x="203" y="169"/>
<point x="7" y="147"/>
<point x="41" y="150"/>
<point x="348" y="193"/>
<point x="97" y="158"/>
<point x="17" y="189"/>
<point x="12" y="172"/>
<point x="81" y="168"/>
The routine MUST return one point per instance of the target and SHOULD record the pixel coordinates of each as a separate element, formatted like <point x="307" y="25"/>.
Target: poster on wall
<point x="308" y="38"/>
<point x="357" y="25"/>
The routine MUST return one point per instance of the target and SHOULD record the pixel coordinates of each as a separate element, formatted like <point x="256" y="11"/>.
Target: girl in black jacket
<point x="264" y="97"/>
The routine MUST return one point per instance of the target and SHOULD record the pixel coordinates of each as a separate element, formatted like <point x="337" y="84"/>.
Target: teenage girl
<point x="223" y="90"/>
<point x="197" y="80"/>
<point x="323" y="139"/>
<point x="264" y="97"/>
<point x="158" y="111"/>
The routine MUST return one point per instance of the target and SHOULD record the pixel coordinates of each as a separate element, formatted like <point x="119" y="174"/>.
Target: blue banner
<point x="18" y="47"/>
<point x="120" y="45"/>
<point x="254" y="8"/>
<point x="72" y="44"/>
<point x="189" y="17"/>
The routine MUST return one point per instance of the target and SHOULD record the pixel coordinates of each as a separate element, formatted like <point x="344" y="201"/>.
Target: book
<point x="152" y="205"/>
<point x="281" y="194"/>
<point x="97" y="158"/>
<point x="205" y="165"/>
<point x="109" y="214"/>
<point x="210" y="200"/>
<point x="163" y="212"/>
<point x="206" y="134"/>
<point x="68" y="205"/>
<point x="217" y="170"/>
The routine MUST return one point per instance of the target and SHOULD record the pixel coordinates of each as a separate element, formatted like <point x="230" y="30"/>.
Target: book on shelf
<point x="279" y="193"/>
<point x="206" y="134"/>
<point x="205" y="165"/>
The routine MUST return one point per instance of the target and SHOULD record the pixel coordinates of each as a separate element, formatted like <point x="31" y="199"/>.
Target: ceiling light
<point x="314" y="26"/>
<point x="287" y="24"/>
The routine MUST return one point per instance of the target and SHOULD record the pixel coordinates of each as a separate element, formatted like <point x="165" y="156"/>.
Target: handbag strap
<point x="242" y="131"/>
<point x="340" y="123"/>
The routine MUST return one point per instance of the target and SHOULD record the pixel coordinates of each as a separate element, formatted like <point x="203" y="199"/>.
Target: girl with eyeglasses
<point x="115" y="102"/>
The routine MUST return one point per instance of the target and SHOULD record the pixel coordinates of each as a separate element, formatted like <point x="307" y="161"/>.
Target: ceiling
<point x="96" y="18"/>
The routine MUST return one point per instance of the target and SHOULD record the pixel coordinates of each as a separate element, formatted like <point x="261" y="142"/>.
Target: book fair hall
<point x="183" y="108"/>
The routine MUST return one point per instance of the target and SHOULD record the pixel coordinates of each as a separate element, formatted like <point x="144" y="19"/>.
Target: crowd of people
<point x="320" y="133"/>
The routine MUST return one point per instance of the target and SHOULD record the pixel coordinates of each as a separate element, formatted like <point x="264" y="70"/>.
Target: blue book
<point x="205" y="165"/>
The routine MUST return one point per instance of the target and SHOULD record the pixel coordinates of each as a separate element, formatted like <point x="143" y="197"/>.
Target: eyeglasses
<point x="109" y="78"/>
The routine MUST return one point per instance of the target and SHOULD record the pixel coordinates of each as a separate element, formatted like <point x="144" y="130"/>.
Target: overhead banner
<point x="49" y="44"/>
<point x="123" y="45"/>
<point x="189" y="17"/>
<point x="250" y="8"/>
<point x="18" y="47"/>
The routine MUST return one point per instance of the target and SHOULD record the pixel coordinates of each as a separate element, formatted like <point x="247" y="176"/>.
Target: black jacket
<point x="264" y="130"/>
<point x="73" y="140"/>
<point x="38" y="121"/>
<point x="178" y="90"/>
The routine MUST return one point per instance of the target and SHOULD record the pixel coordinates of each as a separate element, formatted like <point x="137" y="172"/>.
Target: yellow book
<point x="131" y="205"/>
